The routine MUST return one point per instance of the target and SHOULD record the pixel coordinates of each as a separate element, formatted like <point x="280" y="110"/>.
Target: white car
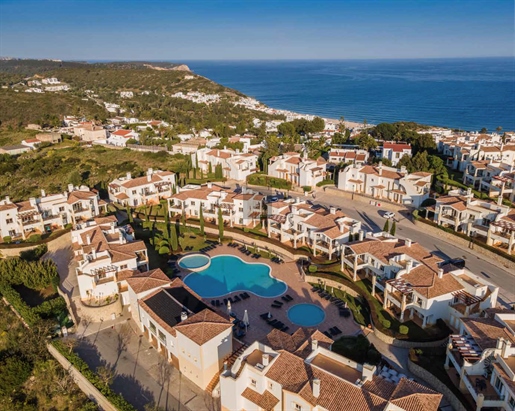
<point x="389" y="214"/>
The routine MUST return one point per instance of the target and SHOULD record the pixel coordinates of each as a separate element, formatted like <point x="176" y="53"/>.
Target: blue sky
<point x="247" y="29"/>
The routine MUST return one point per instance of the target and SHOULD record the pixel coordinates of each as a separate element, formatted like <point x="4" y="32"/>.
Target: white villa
<point x="48" y="212"/>
<point x="149" y="189"/>
<point x="300" y="372"/>
<point x="348" y="156"/>
<point x="481" y="359"/>
<point x="416" y="284"/>
<point x="298" y="223"/>
<point x="120" y="137"/>
<point x="235" y="165"/>
<point x="298" y="169"/>
<point x="243" y="208"/>
<point x="395" y="151"/>
<point x="106" y="255"/>
<point x="387" y="183"/>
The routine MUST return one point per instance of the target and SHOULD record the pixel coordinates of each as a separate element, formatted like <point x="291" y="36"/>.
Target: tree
<point x="75" y="178"/>
<point x="317" y="125"/>
<point x="210" y="168"/>
<point x="286" y="129"/>
<point x="420" y="162"/>
<point x="174" y="243"/>
<point x="201" y="218"/>
<point x="129" y="214"/>
<point x="484" y="130"/>
<point x="338" y="138"/>
<point x="384" y="131"/>
<point x="220" y="224"/>
<point x="15" y="372"/>
<point x="106" y="375"/>
<point x="341" y="125"/>
<point x="386" y="226"/>
<point x="498" y="129"/>
<point x="394" y="228"/>
<point x="365" y="141"/>
<point x="405" y="161"/>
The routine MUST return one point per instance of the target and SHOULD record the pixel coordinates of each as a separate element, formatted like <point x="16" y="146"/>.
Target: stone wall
<point x="436" y="384"/>
<point x="89" y="389"/>
<point x="491" y="257"/>
<point x="313" y="278"/>
<point x="15" y="250"/>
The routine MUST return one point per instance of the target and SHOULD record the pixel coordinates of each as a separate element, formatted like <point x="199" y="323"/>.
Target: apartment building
<point x="481" y="359"/>
<point x="48" y="212"/>
<point x="387" y="183"/>
<point x="149" y="189"/>
<point x="120" y="137"/>
<point x="89" y="131"/>
<point x="496" y="179"/>
<point x="106" y="256"/>
<point x="243" y="208"/>
<point x="417" y="285"/>
<point x="348" y="156"/>
<point x="191" y="336"/>
<point x="395" y="151"/>
<point x="300" y="372"/>
<point x="235" y="165"/>
<point x="487" y="218"/>
<point x="298" y="169"/>
<point x="298" y="223"/>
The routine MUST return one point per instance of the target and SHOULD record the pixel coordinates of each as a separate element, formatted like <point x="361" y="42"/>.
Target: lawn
<point x="357" y="349"/>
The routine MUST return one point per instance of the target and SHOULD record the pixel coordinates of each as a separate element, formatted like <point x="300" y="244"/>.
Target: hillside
<point x="92" y="85"/>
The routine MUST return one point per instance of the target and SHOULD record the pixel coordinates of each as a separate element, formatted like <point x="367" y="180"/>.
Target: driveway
<point x="142" y="375"/>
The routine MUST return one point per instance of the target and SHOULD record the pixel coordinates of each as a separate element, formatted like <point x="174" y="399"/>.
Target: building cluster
<point x="20" y="220"/>
<point x="197" y="97"/>
<point x="235" y="165"/>
<point x="297" y="169"/>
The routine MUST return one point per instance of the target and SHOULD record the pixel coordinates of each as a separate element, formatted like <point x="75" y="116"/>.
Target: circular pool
<point x="194" y="262"/>
<point x="306" y="315"/>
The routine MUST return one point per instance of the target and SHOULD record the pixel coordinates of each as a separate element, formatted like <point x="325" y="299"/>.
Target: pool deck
<point x="297" y="288"/>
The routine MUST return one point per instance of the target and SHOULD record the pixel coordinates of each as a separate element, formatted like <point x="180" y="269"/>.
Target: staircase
<point x="230" y="361"/>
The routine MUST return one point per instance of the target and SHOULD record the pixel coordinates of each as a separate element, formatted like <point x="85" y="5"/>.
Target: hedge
<point x="266" y="181"/>
<point x="116" y="399"/>
<point x="325" y="183"/>
<point x="14" y="298"/>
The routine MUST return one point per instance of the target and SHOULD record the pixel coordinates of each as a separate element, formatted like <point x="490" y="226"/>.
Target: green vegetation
<point x="264" y="180"/>
<point x="30" y="379"/>
<point x="220" y="224"/>
<point x="394" y="228"/>
<point x="325" y="183"/>
<point x="357" y="349"/>
<point x="386" y="226"/>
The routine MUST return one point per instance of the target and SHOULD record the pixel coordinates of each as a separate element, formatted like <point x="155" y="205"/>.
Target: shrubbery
<point x="34" y="238"/>
<point x="404" y="329"/>
<point x="267" y="181"/>
<point x="313" y="268"/>
<point x="7" y="239"/>
<point x="386" y="323"/>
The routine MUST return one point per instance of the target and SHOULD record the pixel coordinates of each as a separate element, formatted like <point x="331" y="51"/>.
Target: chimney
<point x="94" y="253"/>
<point x="332" y="210"/>
<point x="469" y="191"/>
<point x="380" y="168"/>
<point x="88" y="239"/>
<point x="265" y="359"/>
<point x="500" y="343"/>
<point x="184" y="316"/>
<point x="316" y="388"/>
<point x="43" y="194"/>
<point x="368" y="372"/>
<point x="218" y="153"/>
<point x="499" y="200"/>
<point x="209" y="185"/>
<point x="32" y="201"/>
<point x="342" y="226"/>
<point x="70" y="188"/>
<point x="408" y="242"/>
<point x="149" y="178"/>
<point x="7" y="199"/>
<point x="120" y="237"/>
<point x="440" y="273"/>
<point x="409" y="266"/>
<point x="150" y="171"/>
<point x="403" y="169"/>
<point x="314" y="345"/>
<point x="361" y="235"/>
<point x="297" y="200"/>
<point x="294" y="209"/>
<point x="128" y="176"/>
<point x="505" y="349"/>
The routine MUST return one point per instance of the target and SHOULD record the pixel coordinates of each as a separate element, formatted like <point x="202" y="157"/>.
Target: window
<point x="253" y="382"/>
<point x="162" y="337"/>
<point x="297" y="407"/>
<point x="9" y="221"/>
<point x="61" y="209"/>
<point x="193" y="203"/>
<point x="134" y="192"/>
<point x="152" y="326"/>
<point x="498" y="384"/>
<point x="123" y="267"/>
<point x="511" y="403"/>
<point x="240" y="209"/>
<point x="270" y="386"/>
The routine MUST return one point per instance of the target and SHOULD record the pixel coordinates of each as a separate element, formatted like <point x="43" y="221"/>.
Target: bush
<point x="404" y="329"/>
<point x="68" y="226"/>
<point x="265" y="181"/>
<point x="313" y="268"/>
<point x="14" y="298"/>
<point x="428" y="202"/>
<point x="306" y="188"/>
<point x="386" y="323"/>
<point x="34" y="254"/>
<point x="325" y="183"/>
<point x="7" y="239"/>
<point x="34" y="238"/>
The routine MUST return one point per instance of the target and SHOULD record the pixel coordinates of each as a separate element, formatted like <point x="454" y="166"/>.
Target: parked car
<point x="457" y="262"/>
<point x="272" y="199"/>
<point x="389" y="214"/>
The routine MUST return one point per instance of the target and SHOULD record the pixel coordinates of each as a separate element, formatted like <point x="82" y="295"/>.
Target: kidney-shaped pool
<point x="227" y="274"/>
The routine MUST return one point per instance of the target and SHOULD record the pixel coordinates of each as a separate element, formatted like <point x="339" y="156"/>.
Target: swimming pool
<point x="194" y="262"/>
<point x="228" y="274"/>
<point x="306" y="315"/>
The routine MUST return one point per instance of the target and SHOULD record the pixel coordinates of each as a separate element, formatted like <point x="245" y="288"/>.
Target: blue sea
<point x="466" y="94"/>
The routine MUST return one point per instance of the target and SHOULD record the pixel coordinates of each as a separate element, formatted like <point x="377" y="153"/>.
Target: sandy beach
<point x="348" y="124"/>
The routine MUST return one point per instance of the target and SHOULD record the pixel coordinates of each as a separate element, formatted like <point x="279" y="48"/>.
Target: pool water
<point x="228" y="274"/>
<point x="306" y="315"/>
<point x="193" y="261"/>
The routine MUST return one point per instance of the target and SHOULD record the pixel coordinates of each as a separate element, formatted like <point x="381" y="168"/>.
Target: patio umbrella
<point x="229" y="307"/>
<point x="246" y="318"/>
<point x="269" y="315"/>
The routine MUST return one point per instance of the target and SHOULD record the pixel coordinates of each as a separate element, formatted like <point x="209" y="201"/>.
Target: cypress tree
<point x="173" y="237"/>
<point x="220" y="224"/>
<point x="386" y="227"/>
<point x="201" y="217"/>
<point x="394" y="227"/>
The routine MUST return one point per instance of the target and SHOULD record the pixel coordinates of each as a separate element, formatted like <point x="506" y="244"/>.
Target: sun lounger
<point x="289" y="297"/>
<point x="264" y="316"/>
<point x="218" y="303"/>
<point x="225" y="301"/>
<point x="338" y="331"/>
<point x="276" y="306"/>
<point x="237" y="299"/>
<point x="278" y="302"/>
<point x="272" y="322"/>
<point x="230" y="300"/>
<point x="285" y="328"/>
<point x="212" y="302"/>
<point x="327" y="334"/>
<point x="285" y="299"/>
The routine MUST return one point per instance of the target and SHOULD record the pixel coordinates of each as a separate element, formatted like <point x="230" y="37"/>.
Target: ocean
<point x="466" y="94"/>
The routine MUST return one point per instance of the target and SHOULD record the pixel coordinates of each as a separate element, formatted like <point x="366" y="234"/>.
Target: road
<point x="372" y="220"/>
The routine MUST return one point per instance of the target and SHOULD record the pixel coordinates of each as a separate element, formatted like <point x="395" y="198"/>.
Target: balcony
<point x="105" y="280"/>
<point x="30" y="222"/>
<point x="81" y="209"/>
<point x="478" y="384"/>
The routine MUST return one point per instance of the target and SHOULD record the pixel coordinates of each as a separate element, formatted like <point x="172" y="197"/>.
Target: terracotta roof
<point x="486" y="331"/>
<point x="204" y="326"/>
<point x="75" y="196"/>
<point x="141" y="282"/>
<point x="142" y="181"/>
<point x="397" y="147"/>
<point x="384" y="173"/>
<point x="9" y="206"/>
<point x="266" y="401"/>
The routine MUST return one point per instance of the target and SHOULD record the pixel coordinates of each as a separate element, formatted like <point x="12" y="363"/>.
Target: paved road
<point x="372" y="220"/>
